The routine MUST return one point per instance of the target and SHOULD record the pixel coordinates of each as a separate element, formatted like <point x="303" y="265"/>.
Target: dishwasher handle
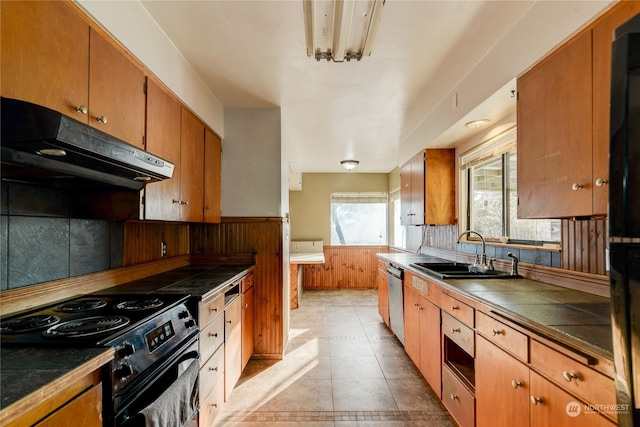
<point x="395" y="271"/>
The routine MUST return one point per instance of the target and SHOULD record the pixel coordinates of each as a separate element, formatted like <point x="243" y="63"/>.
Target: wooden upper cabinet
<point x="554" y="134"/>
<point x="162" y="199"/>
<point x="427" y="188"/>
<point x="603" y="34"/>
<point x="212" y="173"/>
<point x="191" y="168"/>
<point x="45" y="55"/>
<point x="563" y="124"/>
<point x="116" y="92"/>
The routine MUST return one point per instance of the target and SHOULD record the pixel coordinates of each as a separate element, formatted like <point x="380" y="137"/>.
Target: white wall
<point x="252" y="163"/>
<point x="130" y="24"/>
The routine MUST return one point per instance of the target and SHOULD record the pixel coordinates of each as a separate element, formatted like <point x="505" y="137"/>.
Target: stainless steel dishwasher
<point x="396" y="303"/>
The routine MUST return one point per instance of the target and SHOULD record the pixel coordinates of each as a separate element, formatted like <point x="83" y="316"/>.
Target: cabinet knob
<point x="82" y="109"/>
<point x="214" y="309"/>
<point x="182" y="202"/>
<point x="535" y="400"/>
<point x="453" y="396"/>
<point x="214" y="405"/>
<point x="420" y="307"/>
<point x="246" y="306"/>
<point x="102" y="119"/>
<point x="600" y="182"/>
<point x="569" y="376"/>
<point x="213" y="335"/>
<point x="454" y="330"/>
<point x="228" y="321"/>
<point x="207" y="207"/>
<point x="496" y="332"/>
<point x="516" y="384"/>
<point x="213" y="369"/>
<point x="454" y="307"/>
<point x="175" y="201"/>
<point x="576" y="186"/>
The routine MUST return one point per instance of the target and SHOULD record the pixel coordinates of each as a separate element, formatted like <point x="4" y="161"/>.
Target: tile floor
<point x="342" y="368"/>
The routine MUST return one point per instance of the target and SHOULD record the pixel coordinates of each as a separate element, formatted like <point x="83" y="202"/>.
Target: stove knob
<point x="190" y="323"/>
<point x="183" y="315"/>
<point x="123" y="371"/>
<point x="125" y="350"/>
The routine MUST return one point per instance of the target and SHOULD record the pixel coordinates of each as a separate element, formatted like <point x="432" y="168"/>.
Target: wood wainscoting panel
<point x="583" y="245"/>
<point x="143" y="241"/>
<point x="345" y="267"/>
<point x="262" y="237"/>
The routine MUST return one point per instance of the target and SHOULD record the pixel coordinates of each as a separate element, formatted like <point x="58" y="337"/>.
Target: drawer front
<point x="461" y="311"/>
<point x="212" y="371"/>
<point x="210" y="406"/>
<point x="208" y="310"/>
<point x="503" y="336"/>
<point x="459" y="333"/>
<point x="211" y="337"/>
<point x="247" y="283"/>
<point x="573" y="376"/>
<point x="458" y="400"/>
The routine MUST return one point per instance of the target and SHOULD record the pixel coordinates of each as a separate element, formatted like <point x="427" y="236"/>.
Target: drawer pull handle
<point x="496" y="332"/>
<point x="536" y="400"/>
<point x="568" y="376"/>
<point x="454" y="330"/>
<point x="213" y="335"/>
<point x="213" y="369"/>
<point x="214" y="405"/>
<point x="454" y="396"/>
<point x="455" y="307"/>
<point x="228" y="321"/>
<point x="516" y="384"/>
<point x="214" y="309"/>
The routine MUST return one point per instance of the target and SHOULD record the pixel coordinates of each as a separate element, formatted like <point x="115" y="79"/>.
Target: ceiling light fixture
<point x="349" y="164"/>
<point x="477" y="123"/>
<point x="341" y="29"/>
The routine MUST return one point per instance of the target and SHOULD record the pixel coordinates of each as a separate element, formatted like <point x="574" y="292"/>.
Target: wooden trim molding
<point x="15" y="300"/>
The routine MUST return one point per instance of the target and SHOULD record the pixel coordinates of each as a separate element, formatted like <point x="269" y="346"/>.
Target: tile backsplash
<point x="42" y="240"/>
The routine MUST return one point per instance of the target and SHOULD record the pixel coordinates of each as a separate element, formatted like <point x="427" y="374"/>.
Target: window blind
<point x="359" y="197"/>
<point x="493" y="147"/>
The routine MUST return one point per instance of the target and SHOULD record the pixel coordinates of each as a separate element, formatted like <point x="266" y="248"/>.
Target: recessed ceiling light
<point x="477" y="123"/>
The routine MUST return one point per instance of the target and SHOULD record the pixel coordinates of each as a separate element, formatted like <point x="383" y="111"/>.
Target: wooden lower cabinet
<point x="211" y="405"/>
<point x="232" y="346"/>
<point x="459" y="401"/>
<point x="422" y="336"/>
<point x="502" y="387"/>
<point x="551" y="406"/>
<point x="84" y="410"/>
<point x="383" y="293"/>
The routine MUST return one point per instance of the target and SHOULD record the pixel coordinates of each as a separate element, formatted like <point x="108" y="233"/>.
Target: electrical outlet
<point x="296" y="247"/>
<point x="164" y="249"/>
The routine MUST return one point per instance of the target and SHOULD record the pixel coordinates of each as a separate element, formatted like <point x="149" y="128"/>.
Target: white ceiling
<point x="387" y="106"/>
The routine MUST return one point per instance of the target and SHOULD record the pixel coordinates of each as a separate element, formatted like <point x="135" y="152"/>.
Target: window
<point x="492" y="195"/>
<point x="359" y="218"/>
<point x="398" y="237"/>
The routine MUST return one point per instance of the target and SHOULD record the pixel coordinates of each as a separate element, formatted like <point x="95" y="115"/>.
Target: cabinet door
<point x="417" y="189"/>
<point x="383" y="296"/>
<point x="45" y="55"/>
<point x="439" y="187"/>
<point x="162" y="199"/>
<point x="247" y="326"/>
<point x="232" y="346"/>
<point x="551" y="406"/>
<point x="430" y="351"/>
<point x="405" y="194"/>
<point x="116" y="92"/>
<point x="212" y="173"/>
<point x="555" y="134"/>
<point x="192" y="168"/>
<point x="502" y="387"/>
<point x="602" y="39"/>
<point x="83" y="411"/>
<point x="412" y="325"/>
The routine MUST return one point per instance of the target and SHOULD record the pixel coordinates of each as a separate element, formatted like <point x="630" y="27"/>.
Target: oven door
<point x="168" y="396"/>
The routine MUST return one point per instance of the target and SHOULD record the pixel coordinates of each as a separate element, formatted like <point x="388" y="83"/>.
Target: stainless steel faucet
<point x="514" y="264"/>
<point x="482" y="265"/>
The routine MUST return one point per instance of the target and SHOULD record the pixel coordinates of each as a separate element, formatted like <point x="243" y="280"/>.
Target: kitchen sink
<point x="458" y="270"/>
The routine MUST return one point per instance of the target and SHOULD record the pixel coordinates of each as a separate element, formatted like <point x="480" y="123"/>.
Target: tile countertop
<point x="30" y="375"/>
<point x="576" y="318"/>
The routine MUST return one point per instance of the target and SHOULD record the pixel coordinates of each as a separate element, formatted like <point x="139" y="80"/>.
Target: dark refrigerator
<point x="624" y="218"/>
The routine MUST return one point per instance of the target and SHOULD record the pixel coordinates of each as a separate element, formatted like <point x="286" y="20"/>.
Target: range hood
<point x="40" y="145"/>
